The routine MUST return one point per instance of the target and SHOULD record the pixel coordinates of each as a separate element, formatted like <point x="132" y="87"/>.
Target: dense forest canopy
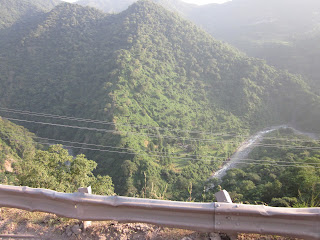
<point x="170" y="102"/>
<point x="12" y="11"/>
<point x="284" y="33"/>
<point x="286" y="175"/>
<point x="23" y="161"/>
<point x="16" y="144"/>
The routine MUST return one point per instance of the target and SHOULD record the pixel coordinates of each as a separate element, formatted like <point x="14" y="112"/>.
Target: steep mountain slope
<point x="16" y="143"/>
<point x="164" y="87"/>
<point x="271" y="30"/>
<point x="12" y="11"/>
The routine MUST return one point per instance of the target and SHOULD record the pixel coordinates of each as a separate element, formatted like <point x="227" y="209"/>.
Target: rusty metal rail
<point x="207" y="217"/>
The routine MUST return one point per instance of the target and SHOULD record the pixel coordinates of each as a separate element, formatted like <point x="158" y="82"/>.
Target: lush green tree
<point x="57" y="170"/>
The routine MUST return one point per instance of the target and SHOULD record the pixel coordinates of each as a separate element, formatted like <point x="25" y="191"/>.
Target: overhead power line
<point x="119" y="132"/>
<point x="61" y="117"/>
<point x="159" y="154"/>
<point x="280" y="165"/>
<point x="291" y="139"/>
<point x="115" y="131"/>
<point x="171" y="155"/>
<point x="285" y="146"/>
<point x="238" y="161"/>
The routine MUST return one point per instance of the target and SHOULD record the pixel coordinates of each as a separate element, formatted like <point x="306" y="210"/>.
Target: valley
<point x="154" y="101"/>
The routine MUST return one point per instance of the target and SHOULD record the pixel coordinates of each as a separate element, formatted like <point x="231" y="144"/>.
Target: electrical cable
<point x="110" y="123"/>
<point x="238" y="161"/>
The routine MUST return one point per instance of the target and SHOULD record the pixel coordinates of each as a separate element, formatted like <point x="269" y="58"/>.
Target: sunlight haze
<point x="203" y="2"/>
<point x="198" y="2"/>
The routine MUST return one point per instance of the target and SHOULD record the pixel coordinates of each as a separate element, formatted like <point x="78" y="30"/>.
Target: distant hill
<point x="263" y="20"/>
<point x="108" y="6"/>
<point x="12" y="11"/>
<point x="301" y="55"/>
<point x="258" y="20"/>
<point x="273" y="30"/>
<point x="164" y="88"/>
<point x="116" y="6"/>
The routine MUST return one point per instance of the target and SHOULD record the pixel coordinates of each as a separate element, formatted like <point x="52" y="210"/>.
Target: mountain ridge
<point x="147" y="66"/>
<point x="263" y="29"/>
<point x="13" y="11"/>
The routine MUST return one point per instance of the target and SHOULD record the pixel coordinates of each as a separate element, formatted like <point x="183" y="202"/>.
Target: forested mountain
<point x="301" y="55"/>
<point x="108" y="6"/>
<point x="168" y="94"/>
<point x="284" y="33"/>
<point x="240" y="20"/>
<point x="12" y="11"/>
<point x="115" y="6"/>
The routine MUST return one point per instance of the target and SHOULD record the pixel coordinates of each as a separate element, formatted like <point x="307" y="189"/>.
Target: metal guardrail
<point x="206" y="217"/>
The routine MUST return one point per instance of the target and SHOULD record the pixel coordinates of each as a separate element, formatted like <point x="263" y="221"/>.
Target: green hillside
<point x="12" y="11"/>
<point x="284" y="33"/>
<point x="23" y="161"/>
<point x="283" y="176"/>
<point x="16" y="143"/>
<point x="165" y="87"/>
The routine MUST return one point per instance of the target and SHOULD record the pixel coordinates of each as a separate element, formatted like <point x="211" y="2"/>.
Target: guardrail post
<point x="223" y="196"/>
<point x="87" y="190"/>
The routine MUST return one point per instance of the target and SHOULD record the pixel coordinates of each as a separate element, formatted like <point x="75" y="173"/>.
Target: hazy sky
<point x="199" y="2"/>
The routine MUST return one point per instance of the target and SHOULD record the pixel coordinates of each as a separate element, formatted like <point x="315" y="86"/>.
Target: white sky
<point x="199" y="2"/>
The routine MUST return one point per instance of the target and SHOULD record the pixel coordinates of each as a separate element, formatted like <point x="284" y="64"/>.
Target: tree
<point x="57" y="170"/>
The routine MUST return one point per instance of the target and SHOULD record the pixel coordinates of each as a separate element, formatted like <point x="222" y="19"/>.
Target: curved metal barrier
<point x="206" y="217"/>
